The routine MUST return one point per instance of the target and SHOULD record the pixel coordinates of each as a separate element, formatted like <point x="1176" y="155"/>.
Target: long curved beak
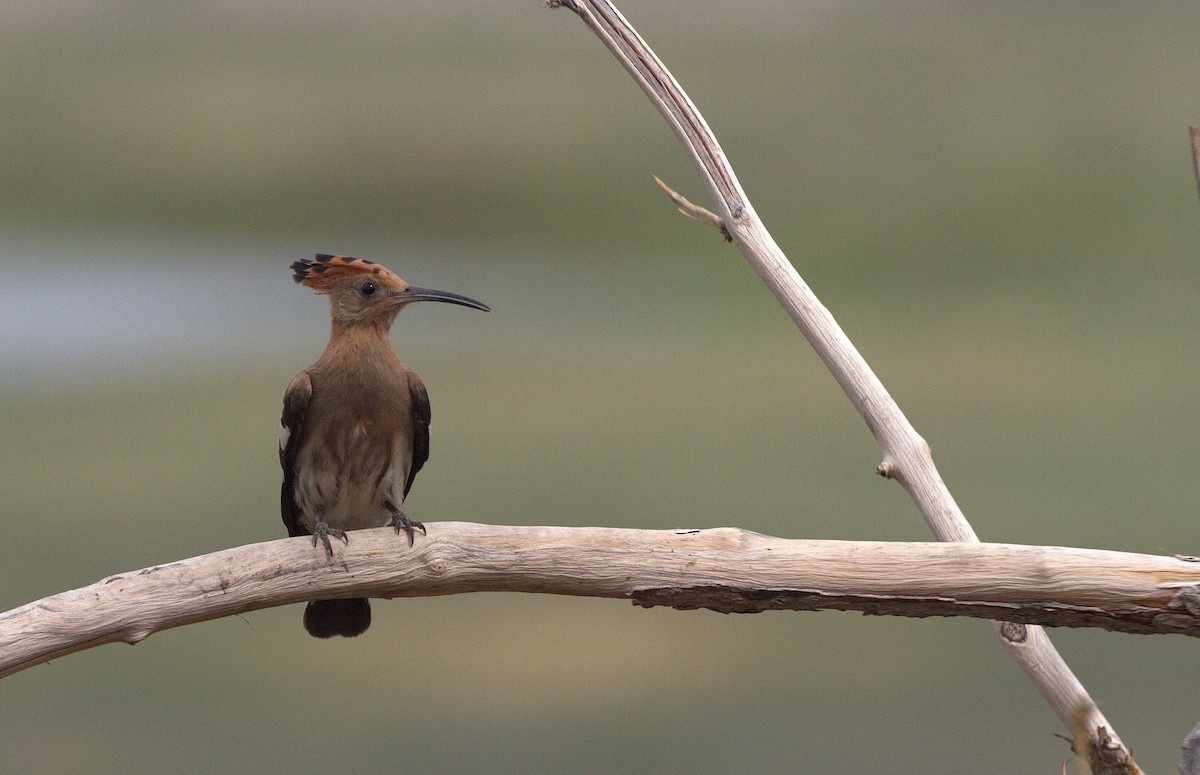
<point x="428" y="294"/>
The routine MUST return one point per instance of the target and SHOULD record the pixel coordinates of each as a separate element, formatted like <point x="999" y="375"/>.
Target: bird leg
<point x="400" y="521"/>
<point x="322" y="531"/>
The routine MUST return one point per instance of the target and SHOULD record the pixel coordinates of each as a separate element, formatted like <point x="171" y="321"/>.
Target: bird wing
<point x="420" y="416"/>
<point x="291" y="431"/>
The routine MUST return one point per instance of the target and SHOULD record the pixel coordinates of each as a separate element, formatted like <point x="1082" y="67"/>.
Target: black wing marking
<point x="420" y="417"/>
<point x="295" y="407"/>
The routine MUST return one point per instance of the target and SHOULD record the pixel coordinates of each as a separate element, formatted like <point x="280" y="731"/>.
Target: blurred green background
<point x="996" y="201"/>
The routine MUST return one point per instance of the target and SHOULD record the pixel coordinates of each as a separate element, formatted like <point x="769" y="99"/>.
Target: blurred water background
<point x="995" y="200"/>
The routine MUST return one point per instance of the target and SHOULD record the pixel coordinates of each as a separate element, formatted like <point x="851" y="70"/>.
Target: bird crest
<point x="322" y="272"/>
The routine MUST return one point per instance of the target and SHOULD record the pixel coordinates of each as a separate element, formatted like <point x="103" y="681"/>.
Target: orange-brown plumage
<point x="355" y="426"/>
<point x="325" y="269"/>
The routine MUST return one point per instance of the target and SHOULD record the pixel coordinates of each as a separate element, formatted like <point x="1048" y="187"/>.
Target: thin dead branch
<point x="1194" y="131"/>
<point x="906" y="455"/>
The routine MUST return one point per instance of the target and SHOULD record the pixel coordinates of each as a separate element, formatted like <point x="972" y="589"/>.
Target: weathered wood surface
<point x="723" y="569"/>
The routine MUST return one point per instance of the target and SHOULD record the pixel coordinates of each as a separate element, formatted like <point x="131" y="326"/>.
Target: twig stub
<point x="694" y="211"/>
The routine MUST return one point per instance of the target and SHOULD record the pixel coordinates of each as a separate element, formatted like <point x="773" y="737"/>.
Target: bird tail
<point x="326" y="618"/>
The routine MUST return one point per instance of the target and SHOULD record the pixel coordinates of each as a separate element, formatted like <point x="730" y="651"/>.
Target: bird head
<point x="363" y="292"/>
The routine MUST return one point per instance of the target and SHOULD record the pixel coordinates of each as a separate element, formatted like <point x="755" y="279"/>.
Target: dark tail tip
<point x="326" y="618"/>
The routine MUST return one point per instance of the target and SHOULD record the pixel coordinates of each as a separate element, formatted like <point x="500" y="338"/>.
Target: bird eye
<point x="367" y="288"/>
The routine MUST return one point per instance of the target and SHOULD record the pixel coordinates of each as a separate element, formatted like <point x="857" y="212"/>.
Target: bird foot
<point x="322" y="531"/>
<point x="400" y="521"/>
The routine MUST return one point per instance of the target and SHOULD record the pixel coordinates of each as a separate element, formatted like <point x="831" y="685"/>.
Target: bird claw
<point x="322" y="531"/>
<point x="400" y="521"/>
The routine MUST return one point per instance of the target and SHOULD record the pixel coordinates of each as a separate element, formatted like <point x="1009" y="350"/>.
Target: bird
<point x="355" y="425"/>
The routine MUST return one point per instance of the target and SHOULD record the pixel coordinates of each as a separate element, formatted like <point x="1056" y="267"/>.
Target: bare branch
<point x="906" y="455"/>
<point x="1194" y="131"/>
<point x="723" y="569"/>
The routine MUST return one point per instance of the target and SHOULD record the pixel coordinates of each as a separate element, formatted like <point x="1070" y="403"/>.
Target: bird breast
<point x="355" y="457"/>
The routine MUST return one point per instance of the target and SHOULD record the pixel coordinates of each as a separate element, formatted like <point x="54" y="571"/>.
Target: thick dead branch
<point x="906" y="456"/>
<point x="724" y="569"/>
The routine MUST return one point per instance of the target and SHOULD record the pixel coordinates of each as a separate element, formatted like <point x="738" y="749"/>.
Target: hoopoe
<point x="355" y="426"/>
